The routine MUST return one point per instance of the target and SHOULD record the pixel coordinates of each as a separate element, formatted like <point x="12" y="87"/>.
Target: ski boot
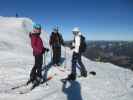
<point x="84" y="73"/>
<point x="36" y="82"/>
<point x="71" y="77"/>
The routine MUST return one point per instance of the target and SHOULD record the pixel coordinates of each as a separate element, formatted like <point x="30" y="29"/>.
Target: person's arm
<point x="61" y="39"/>
<point x="73" y="43"/>
<point x="50" y="41"/>
<point x="77" y="43"/>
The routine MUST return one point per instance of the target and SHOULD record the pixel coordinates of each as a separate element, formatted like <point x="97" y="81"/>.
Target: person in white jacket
<point x="76" y="58"/>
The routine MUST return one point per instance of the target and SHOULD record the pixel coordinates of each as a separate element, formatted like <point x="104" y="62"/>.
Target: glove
<point x="72" y="47"/>
<point x="47" y="50"/>
<point x="63" y="44"/>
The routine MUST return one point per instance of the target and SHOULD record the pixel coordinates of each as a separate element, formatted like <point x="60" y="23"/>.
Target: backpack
<point x="83" y="45"/>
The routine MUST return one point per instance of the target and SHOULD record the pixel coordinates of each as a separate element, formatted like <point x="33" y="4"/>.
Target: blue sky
<point x="97" y="19"/>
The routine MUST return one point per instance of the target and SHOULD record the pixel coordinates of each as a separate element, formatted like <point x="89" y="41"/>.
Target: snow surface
<point x="16" y="61"/>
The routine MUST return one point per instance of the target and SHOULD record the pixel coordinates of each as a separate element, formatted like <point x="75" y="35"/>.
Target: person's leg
<point x="72" y="76"/>
<point x="59" y="53"/>
<point x="32" y="75"/>
<point x="39" y="65"/>
<point x="82" y="67"/>
<point x="58" y="56"/>
<point x="74" y="63"/>
<point x="54" y="56"/>
<point x="33" y="71"/>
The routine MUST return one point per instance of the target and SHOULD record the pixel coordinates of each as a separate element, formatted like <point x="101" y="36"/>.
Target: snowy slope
<point x="16" y="61"/>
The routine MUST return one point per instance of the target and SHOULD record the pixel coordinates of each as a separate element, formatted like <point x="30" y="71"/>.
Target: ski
<point x="61" y="69"/>
<point x="25" y="90"/>
<point x="93" y="73"/>
<point x="34" y="86"/>
<point x="64" y="80"/>
<point x="22" y="85"/>
<point x="19" y="86"/>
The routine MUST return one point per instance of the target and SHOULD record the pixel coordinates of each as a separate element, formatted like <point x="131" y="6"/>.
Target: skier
<point x="38" y="51"/>
<point x="79" y="47"/>
<point x="55" y="42"/>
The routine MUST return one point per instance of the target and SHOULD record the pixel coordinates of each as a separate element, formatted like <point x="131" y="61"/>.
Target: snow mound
<point x="14" y="33"/>
<point x="14" y="37"/>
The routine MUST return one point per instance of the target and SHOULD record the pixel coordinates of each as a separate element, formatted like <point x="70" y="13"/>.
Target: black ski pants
<point x="56" y="55"/>
<point x="77" y="62"/>
<point x="37" y="68"/>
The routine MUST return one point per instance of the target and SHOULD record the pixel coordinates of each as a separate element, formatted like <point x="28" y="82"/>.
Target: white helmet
<point x="76" y="29"/>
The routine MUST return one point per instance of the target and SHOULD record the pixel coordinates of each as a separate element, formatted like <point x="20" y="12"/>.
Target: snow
<point x="16" y="61"/>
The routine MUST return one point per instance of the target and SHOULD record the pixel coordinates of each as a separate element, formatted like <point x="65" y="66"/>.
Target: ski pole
<point x="51" y="54"/>
<point x="65" y="58"/>
<point x="45" y="55"/>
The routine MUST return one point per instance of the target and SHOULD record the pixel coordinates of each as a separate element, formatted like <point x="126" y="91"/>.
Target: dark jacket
<point x="56" y="39"/>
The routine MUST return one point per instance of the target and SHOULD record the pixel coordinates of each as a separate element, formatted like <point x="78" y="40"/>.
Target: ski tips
<point x="49" y="78"/>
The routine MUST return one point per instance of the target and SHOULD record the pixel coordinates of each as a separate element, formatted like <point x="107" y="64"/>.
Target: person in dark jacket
<point x="55" y="42"/>
<point x="38" y="51"/>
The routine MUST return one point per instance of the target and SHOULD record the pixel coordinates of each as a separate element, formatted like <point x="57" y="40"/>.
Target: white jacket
<point x="76" y="43"/>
